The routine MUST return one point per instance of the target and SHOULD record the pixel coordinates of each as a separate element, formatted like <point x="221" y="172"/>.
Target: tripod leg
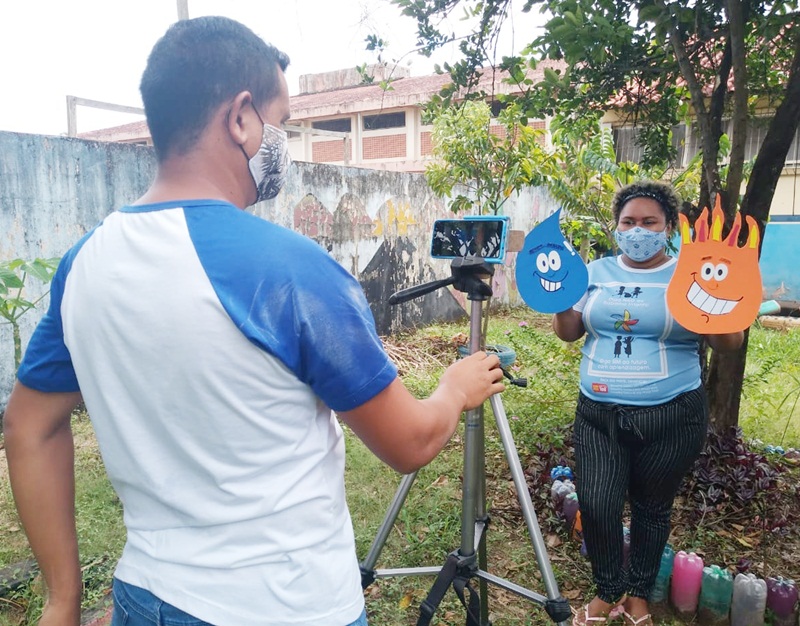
<point x="482" y="518"/>
<point x="368" y="564"/>
<point x="561" y="607"/>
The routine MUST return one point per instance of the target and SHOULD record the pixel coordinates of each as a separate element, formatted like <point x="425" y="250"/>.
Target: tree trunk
<point x="724" y="386"/>
<point x="725" y="373"/>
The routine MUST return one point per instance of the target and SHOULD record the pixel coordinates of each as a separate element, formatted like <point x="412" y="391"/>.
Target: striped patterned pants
<point x="644" y="453"/>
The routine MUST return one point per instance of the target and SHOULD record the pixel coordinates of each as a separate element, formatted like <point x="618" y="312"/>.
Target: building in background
<point x="341" y="118"/>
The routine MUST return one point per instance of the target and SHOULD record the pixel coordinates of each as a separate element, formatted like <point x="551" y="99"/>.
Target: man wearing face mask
<point x="210" y="347"/>
<point x="641" y="416"/>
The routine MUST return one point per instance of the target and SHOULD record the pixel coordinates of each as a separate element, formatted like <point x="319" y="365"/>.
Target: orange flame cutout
<point x="716" y="287"/>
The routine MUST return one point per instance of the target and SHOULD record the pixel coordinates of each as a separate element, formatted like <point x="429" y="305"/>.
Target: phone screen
<point x="479" y="236"/>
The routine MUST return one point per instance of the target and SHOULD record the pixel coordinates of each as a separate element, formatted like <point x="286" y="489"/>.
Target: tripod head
<point x="467" y="274"/>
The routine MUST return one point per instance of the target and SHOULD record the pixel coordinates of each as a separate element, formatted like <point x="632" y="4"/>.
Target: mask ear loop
<point x="260" y="119"/>
<point x="258" y="115"/>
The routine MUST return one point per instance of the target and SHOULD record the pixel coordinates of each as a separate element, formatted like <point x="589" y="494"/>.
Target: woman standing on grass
<point x="642" y="410"/>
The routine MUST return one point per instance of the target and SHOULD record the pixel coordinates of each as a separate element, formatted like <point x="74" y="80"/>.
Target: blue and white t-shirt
<point x="635" y="352"/>
<point x="209" y="345"/>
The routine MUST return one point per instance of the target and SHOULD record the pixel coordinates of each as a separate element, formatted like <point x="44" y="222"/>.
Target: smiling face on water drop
<point x="550" y="274"/>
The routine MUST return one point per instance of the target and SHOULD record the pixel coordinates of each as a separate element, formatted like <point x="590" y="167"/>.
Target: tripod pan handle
<point x="404" y="295"/>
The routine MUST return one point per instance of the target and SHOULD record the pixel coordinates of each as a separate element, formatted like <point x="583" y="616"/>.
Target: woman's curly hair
<point x="660" y="192"/>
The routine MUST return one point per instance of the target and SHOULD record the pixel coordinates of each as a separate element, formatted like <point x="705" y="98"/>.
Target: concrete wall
<point x="377" y="224"/>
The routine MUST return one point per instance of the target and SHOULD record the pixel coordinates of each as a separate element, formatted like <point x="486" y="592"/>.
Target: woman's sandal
<point x="644" y="620"/>
<point x="582" y="618"/>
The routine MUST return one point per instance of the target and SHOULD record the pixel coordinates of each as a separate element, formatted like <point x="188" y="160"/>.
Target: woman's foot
<point x="596" y="612"/>
<point x="636" y="612"/>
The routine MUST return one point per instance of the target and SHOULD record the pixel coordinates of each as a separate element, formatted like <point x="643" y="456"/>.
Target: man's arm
<point x="406" y="433"/>
<point x="39" y="448"/>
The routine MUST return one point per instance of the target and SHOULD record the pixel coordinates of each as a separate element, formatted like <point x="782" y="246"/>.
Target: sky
<point x="97" y="49"/>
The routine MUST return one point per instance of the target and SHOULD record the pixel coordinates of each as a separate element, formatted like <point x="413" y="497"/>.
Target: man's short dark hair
<point x="194" y="68"/>
<point x="658" y="191"/>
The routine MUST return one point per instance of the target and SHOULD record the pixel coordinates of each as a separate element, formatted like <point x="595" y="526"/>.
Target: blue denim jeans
<point x="134" y="606"/>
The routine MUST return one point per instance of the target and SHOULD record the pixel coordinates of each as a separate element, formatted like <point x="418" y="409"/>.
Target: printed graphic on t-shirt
<point x="624" y="292"/>
<point x="629" y="317"/>
<point x="634" y="351"/>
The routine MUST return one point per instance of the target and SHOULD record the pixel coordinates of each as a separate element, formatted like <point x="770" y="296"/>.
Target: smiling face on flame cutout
<point x="551" y="276"/>
<point x="716" y="287"/>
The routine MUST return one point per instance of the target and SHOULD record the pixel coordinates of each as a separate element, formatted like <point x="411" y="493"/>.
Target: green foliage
<point x="655" y="63"/>
<point x="13" y="305"/>
<point x="489" y="161"/>
<point x="771" y="387"/>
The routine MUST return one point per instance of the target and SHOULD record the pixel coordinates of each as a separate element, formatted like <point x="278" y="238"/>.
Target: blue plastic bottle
<point x="716" y="594"/>
<point x="560" y="472"/>
<point x="749" y="600"/>
<point x="660" y="590"/>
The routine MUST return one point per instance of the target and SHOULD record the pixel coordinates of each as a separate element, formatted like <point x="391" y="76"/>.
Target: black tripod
<point x="469" y="560"/>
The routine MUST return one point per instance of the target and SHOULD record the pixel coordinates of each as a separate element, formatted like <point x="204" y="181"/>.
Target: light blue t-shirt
<point x="635" y="352"/>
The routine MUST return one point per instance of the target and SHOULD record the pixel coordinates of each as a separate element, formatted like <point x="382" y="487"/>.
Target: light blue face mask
<point x="641" y="244"/>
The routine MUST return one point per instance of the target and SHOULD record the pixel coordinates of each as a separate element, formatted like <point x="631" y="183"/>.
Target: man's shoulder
<point x="248" y="233"/>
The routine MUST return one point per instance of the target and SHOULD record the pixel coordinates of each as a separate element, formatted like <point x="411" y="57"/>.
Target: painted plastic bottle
<point x="560" y="472"/>
<point x="749" y="600"/>
<point x="687" y="577"/>
<point x="570" y="508"/>
<point x="559" y="490"/>
<point x="626" y="547"/>
<point x="661" y="587"/>
<point x="715" y="594"/>
<point x="769" y="307"/>
<point x="782" y="596"/>
<point x="577" y="528"/>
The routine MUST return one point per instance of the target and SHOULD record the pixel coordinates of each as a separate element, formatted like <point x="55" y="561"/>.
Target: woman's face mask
<point x="269" y="165"/>
<point x="641" y="244"/>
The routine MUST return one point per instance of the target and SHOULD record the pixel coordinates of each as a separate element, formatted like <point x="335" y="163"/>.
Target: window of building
<point x="793" y="156"/>
<point x="385" y="120"/>
<point x="687" y="141"/>
<point x="627" y="147"/>
<point x="340" y="124"/>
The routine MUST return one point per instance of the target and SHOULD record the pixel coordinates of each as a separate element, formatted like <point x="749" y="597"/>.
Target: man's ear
<point x="238" y="115"/>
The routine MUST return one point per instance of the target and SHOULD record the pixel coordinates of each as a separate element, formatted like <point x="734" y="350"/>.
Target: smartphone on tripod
<point x="480" y="236"/>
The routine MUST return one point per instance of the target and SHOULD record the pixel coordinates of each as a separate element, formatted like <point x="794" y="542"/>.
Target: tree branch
<point x="736" y="18"/>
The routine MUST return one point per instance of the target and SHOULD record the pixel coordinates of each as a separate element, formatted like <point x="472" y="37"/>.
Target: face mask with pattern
<point x="269" y="165"/>
<point x="641" y="244"/>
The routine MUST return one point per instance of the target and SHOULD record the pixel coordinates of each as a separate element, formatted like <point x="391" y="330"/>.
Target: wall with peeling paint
<point x="377" y="224"/>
